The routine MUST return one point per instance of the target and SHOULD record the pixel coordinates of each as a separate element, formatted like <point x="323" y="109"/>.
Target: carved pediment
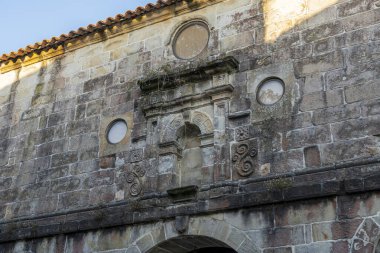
<point x="172" y="90"/>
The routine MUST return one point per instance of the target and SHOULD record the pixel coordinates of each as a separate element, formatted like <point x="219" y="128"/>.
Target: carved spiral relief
<point x="134" y="179"/>
<point x="366" y="237"/>
<point x="242" y="159"/>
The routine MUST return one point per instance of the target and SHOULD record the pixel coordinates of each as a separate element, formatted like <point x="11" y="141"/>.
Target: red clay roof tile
<point x="101" y="25"/>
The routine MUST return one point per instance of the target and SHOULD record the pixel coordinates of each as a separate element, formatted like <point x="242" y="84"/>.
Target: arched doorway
<point x="192" y="244"/>
<point x="214" y="250"/>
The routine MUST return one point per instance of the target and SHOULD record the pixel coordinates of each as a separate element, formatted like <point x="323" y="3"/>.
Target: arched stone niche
<point x="191" y="162"/>
<point x="186" y="149"/>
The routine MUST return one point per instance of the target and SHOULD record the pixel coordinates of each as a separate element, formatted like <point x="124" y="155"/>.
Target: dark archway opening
<point x="192" y="244"/>
<point x="214" y="250"/>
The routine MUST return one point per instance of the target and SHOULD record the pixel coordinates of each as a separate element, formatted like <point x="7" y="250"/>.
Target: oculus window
<point x="270" y="91"/>
<point x="117" y="131"/>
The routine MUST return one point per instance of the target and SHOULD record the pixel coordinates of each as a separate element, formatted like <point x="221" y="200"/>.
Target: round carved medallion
<point x="191" y="40"/>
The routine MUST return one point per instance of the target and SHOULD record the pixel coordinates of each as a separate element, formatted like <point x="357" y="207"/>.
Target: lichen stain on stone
<point x="280" y="184"/>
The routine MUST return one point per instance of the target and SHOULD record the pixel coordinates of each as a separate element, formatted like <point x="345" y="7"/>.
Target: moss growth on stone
<point x="279" y="184"/>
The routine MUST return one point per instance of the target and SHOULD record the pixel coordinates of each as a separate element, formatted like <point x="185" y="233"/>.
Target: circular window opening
<point x="117" y="131"/>
<point x="270" y="91"/>
<point x="191" y="40"/>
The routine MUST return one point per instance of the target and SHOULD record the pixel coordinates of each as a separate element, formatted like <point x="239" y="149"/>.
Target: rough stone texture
<point x="319" y="146"/>
<point x="329" y="233"/>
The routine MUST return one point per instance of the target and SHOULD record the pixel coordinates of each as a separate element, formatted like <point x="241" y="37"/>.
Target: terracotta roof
<point x="82" y="31"/>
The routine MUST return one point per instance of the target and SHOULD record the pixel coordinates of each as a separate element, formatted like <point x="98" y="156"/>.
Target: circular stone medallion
<point x="191" y="40"/>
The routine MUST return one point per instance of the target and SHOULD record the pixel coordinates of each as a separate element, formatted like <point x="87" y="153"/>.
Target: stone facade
<point x="203" y="162"/>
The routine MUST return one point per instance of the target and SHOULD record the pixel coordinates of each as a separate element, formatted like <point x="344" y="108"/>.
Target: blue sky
<point x="26" y="22"/>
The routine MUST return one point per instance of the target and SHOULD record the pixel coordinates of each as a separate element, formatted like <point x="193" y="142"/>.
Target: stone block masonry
<point x="202" y="159"/>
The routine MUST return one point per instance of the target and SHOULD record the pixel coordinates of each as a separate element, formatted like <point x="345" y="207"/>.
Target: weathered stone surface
<point x="356" y="128"/>
<point x="362" y="92"/>
<point x="324" y="247"/>
<point x="312" y="156"/>
<point x="321" y="32"/>
<point x="65" y="184"/>
<point x="348" y="150"/>
<point x="322" y="99"/>
<point x="279" y="250"/>
<point x="98" y="83"/>
<point x="336" y="114"/>
<point x="64" y="158"/>
<point x="278" y="237"/>
<point x="307" y="136"/>
<point x="298" y="214"/>
<point x="353" y="7"/>
<point x="335" y="230"/>
<point x="83" y="126"/>
<point x="309" y="183"/>
<point x="325" y="62"/>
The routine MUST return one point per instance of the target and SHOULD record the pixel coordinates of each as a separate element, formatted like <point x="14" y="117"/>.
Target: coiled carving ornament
<point x="134" y="179"/>
<point x="242" y="159"/>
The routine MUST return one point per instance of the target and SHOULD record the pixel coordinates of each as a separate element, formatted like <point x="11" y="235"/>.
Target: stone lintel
<point x="238" y="115"/>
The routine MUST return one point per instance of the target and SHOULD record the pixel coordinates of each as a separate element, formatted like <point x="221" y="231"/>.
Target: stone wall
<point x="320" y="140"/>
<point x="342" y="224"/>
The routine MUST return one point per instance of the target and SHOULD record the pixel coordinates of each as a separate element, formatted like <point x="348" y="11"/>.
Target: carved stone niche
<point x="183" y="102"/>
<point x="185" y="146"/>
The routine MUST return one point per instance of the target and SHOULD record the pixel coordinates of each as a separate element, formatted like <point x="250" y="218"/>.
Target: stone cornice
<point x="200" y="71"/>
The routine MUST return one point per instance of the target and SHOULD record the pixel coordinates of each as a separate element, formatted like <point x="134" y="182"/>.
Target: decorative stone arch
<point x="200" y="233"/>
<point x="201" y="120"/>
<point x="170" y="130"/>
<point x="367" y="237"/>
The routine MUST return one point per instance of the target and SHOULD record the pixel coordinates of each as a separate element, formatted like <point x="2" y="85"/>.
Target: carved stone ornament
<point x="242" y="133"/>
<point x="136" y="155"/>
<point x="243" y="159"/>
<point x="133" y="178"/>
<point x="181" y="224"/>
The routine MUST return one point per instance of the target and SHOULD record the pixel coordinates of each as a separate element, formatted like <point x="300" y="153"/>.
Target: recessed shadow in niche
<point x="188" y="137"/>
